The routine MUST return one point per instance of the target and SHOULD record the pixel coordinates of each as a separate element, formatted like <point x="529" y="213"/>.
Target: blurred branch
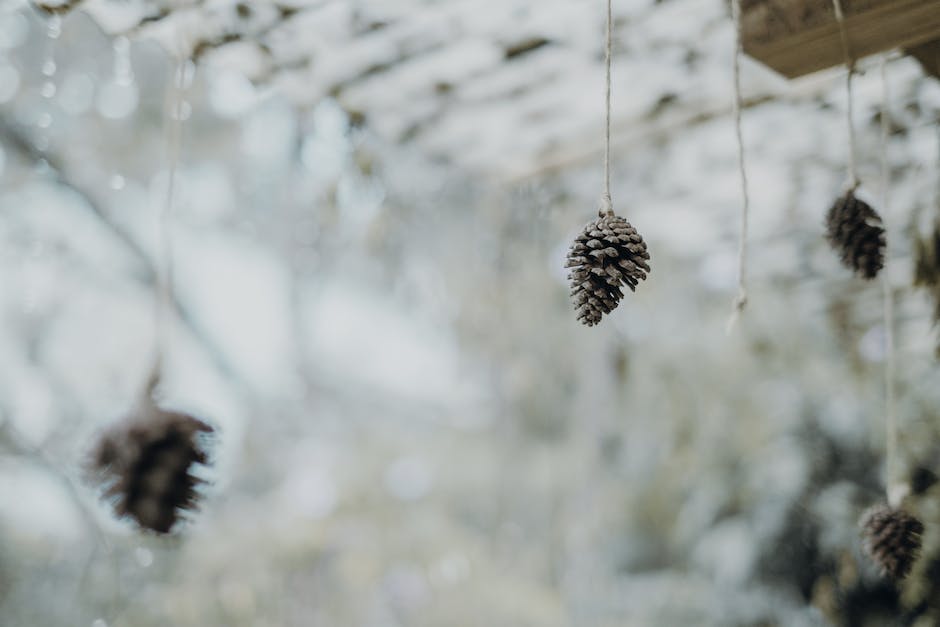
<point x="56" y="8"/>
<point x="145" y="271"/>
<point x="661" y="123"/>
<point x="150" y="19"/>
<point x="638" y="131"/>
<point x="207" y="44"/>
<point x="18" y="140"/>
<point x="11" y="443"/>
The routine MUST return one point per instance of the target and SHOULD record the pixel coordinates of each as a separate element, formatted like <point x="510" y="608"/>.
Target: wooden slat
<point x="928" y="55"/>
<point x="798" y="37"/>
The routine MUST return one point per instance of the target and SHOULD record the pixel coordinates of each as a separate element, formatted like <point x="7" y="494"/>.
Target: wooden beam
<point x="798" y="37"/>
<point x="928" y="55"/>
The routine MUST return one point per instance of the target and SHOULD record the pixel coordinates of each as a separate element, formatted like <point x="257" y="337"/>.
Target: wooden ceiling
<point x="798" y="37"/>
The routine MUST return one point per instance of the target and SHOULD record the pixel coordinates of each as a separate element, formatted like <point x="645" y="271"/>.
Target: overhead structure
<point x="507" y="88"/>
<point x="799" y="37"/>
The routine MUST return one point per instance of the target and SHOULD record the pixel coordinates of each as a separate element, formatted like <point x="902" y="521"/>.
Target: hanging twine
<point x="608" y="253"/>
<point x="740" y="301"/>
<point x="163" y="301"/>
<point x="895" y="487"/>
<point x="607" y="206"/>
<point x="853" y="181"/>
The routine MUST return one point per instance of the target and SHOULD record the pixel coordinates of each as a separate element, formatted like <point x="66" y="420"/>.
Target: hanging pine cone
<point x="608" y="253"/>
<point x="144" y="463"/>
<point x="927" y="259"/>
<point x="892" y="539"/>
<point x="855" y="231"/>
<point x="927" y="265"/>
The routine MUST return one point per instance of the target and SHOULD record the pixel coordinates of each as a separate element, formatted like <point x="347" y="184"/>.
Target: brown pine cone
<point x="892" y="539"/>
<point x="144" y="463"/>
<point x="927" y="269"/>
<point x="855" y="231"/>
<point x="607" y="254"/>
<point x="927" y="259"/>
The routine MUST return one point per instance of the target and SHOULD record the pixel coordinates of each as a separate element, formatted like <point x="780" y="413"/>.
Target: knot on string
<point x="897" y="492"/>
<point x="154" y="376"/>
<point x="852" y="183"/>
<point x="606" y="207"/>
<point x="737" y="309"/>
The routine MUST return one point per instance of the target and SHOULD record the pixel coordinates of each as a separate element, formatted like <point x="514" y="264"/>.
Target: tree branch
<point x="145" y="270"/>
<point x="60" y="8"/>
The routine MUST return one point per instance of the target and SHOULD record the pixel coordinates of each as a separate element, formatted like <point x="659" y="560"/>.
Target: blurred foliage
<point x="415" y="430"/>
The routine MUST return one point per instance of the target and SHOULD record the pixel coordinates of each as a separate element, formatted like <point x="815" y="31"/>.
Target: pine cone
<point x="856" y="232"/>
<point x="608" y="252"/>
<point x="892" y="539"/>
<point x="927" y="269"/>
<point x="927" y="260"/>
<point x="144" y="463"/>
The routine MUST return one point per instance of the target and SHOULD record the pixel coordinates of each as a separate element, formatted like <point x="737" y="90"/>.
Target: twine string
<point x="163" y="301"/>
<point x="740" y="301"/>
<point x="894" y="485"/>
<point x="853" y="181"/>
<point x="607" y="206"/>
<point x="893" y="478"/>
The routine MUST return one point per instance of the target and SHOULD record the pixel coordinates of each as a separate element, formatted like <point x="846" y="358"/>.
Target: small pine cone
<point x="927" y="259"/>
<point x="144" y="463"/>
<point x="927" y="269"/>
<point x="925" y="272"/>
<point x="855" y="231"/>
<point x="892" y="539"/>
<point x="608" y="253"/>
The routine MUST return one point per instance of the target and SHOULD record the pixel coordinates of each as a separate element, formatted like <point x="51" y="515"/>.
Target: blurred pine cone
<point x="144" y="463"/>
<point x="855" y="231"/>
<point x="927" y="259"/>
<point x="892" y="539"/>
<point x="608" y="252"/>
<point x="927" y="269"/>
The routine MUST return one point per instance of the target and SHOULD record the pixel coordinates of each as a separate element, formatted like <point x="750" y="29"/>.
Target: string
<point x="740" y="301"/>
<point x="164" y="301"/>
<point x="850" y="114"/>
<point x="607" y="206"/>
<point x="895" y="487"/>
